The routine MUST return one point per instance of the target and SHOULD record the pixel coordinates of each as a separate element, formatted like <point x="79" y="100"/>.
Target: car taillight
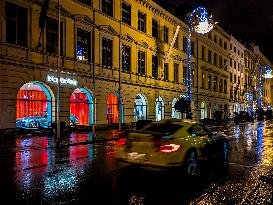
<point x="170" y="148"/>
<point x="121" y="141"/>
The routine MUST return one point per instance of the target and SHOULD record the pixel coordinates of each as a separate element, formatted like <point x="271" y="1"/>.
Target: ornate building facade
<point x="110" y="57"/>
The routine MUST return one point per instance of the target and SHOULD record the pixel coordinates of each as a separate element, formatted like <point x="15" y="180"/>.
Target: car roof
<point x="179" y="121"/>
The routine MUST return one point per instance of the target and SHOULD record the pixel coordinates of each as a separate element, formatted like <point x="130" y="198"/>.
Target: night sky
<point x="250" y="21"/>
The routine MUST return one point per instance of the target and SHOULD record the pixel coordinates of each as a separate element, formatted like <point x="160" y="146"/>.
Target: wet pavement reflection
<point x="80" y="170"/>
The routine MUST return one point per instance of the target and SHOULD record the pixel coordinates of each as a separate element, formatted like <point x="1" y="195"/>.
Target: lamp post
<point x="201" y="23"/>
<point x="267" y="75"/>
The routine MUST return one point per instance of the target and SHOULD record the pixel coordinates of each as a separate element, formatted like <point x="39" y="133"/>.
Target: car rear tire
<point x="192" y="168"/>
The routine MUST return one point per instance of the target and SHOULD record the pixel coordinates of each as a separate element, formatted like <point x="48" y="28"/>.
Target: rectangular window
<point x="203" y="53"/>
<point x="126" y="13"/>
<point x="215" y="59"/>
<point x="155" y="28"/>
<point x="107" y="7"/>
<point x="209" y="56"/>
<point x="225" y="64"/>
<point x="230" y="46"/>
<point x="225" y="86"/>
<point x="209" y="82"/>
<point x="141" y="22"/>
<point x="83" y="45"/>
<point x="16" y="24"/>
<point x="215" y="39"/>
<point x="155" y="66"/>
<point x="234" y="79"/>
<point x="230" y="77"/>
<point x="221" y="85"/>
<point x="166" y="71"/>
<point x="221" y="42"/>
<point x="176" y="68"/>
<point x="203" y="80"/>
<point x="234" y="64"/>
<point x="215" y="81"/>
<point x="234" y="49"/>
<point x="141" y="62"/>
<point x="220" y="62"/>
<point x="166" y="34"/>
<point x="52" y="36"/>
<point x="185" y="71"/>
<point x="225" y="45"/>
<point x="126" y="58"/>
<point x="185" y="44"/>
<point x="107" y="49"/>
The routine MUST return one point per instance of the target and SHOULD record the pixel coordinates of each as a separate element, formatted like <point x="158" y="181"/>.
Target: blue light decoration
<point x="266" y="75"/>
<point x="201" y="23"/>
<point x="79" y="52"/>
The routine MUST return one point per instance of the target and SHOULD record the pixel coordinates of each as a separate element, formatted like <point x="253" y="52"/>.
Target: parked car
<point x="172" y="143"/>
<point x="39" y="121"/>
<point x="73" y="120"/>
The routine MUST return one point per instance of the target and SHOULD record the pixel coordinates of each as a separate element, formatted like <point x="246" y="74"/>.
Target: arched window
<point x="33" y="106"/>
<point x="81" y="107"/>
<point x="140" y="108"/>
<point x="175" y="114"/>
<point x="203" y="113"/>
<point x="159" y="109"/>
<point x="113" y="108"/>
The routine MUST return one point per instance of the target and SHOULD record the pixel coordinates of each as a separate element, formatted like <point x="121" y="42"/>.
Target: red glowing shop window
<point x="112" y="109"/>
<point x="79" y="106"/>
<point x="31" y="101"/>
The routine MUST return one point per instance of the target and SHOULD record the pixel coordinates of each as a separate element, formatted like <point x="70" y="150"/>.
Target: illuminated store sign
<point x="67" y="81"/>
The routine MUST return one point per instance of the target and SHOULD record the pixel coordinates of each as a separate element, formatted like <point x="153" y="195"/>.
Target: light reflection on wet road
<point x="86" y="173"/>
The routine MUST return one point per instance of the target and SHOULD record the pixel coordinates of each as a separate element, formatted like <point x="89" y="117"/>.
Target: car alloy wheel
<point x="34" y="124"/>
<point x="192" y="167"/>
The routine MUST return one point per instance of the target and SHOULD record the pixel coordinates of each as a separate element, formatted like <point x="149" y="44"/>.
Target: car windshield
<point x="162" y="127"/>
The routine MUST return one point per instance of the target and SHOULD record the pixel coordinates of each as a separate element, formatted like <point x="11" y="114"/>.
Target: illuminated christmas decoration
<point x="268" y="72"/>
<point x="267" y="75"/>
<point x="201" y="23"/>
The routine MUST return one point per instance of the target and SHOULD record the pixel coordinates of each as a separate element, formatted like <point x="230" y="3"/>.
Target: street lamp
<point x="201" y="23"/>
<point x="267" y="75"/>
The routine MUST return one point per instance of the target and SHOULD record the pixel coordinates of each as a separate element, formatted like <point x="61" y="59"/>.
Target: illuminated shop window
<point x="159" y="109"/>
<point x="140" y="108"/>
<point x="113" y="111"/>
<point x="81" y="107"/>
<point x="203" y="113"/>
<point x="175" y="114"/>
<point x="33" y="107"/>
